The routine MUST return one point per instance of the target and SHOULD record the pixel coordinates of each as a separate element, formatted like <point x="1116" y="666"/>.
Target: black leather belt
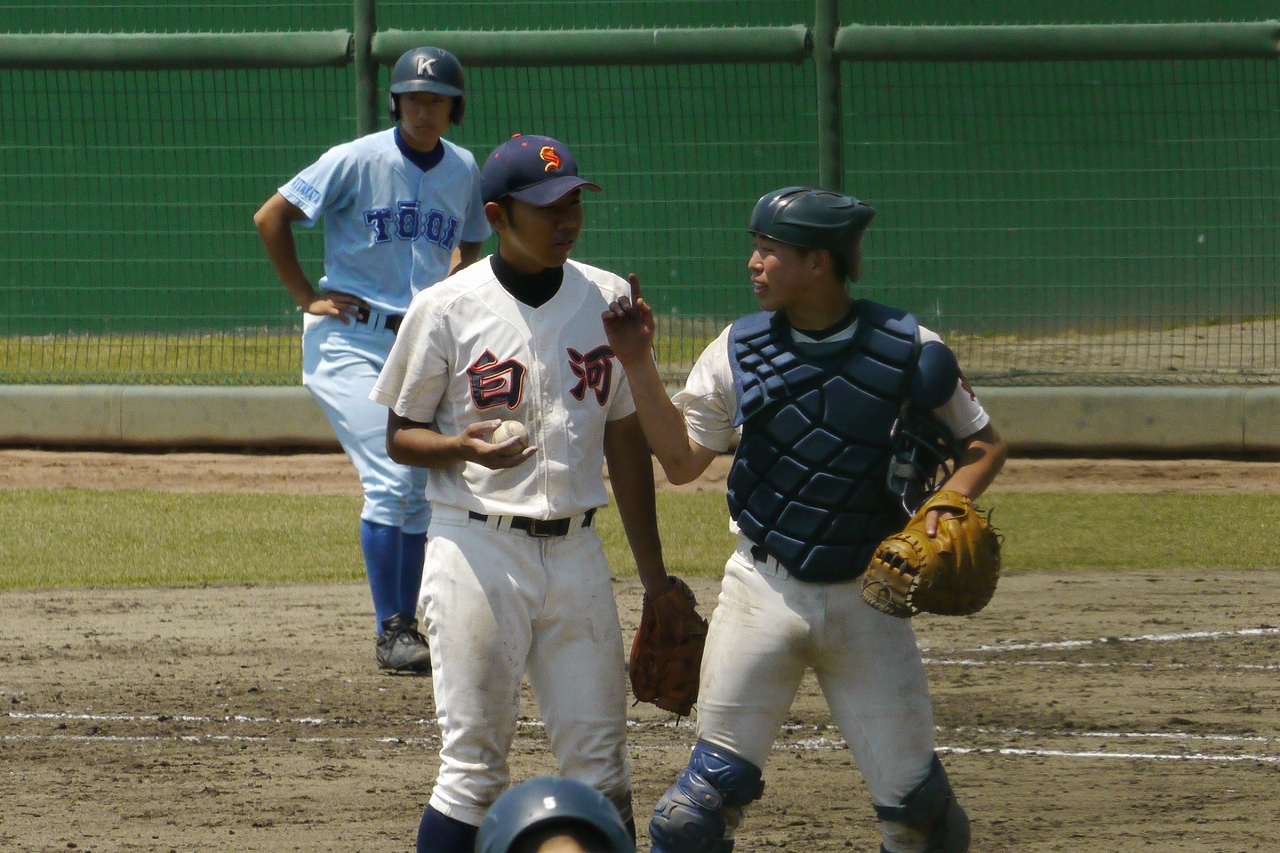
<point x="539" y="528"/>
<point x="758" y="553"/>
<point x="390" y="321"/>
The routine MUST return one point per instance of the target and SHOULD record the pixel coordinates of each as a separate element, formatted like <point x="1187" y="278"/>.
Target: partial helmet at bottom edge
<point x="546" y="799"/>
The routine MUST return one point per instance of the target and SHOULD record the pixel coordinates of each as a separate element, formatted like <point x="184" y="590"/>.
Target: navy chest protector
<point x="808" y="479"/>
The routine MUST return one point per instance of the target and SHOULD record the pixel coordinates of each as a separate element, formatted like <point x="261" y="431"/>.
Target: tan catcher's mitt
<point x="667" y="651"/>
<point x="952" y="574"/>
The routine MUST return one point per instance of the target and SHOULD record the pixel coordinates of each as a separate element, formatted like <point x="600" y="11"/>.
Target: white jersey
<point x="386" y="221"/>
<point x="469" y="351"/>
<point x="710" y="403"/>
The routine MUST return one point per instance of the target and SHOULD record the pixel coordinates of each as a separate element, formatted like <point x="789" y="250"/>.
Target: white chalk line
<point x="539" y="724"/>
<point x="300" y="721"/>
<point x="1143" y="638"/>
<point x="831" y="744"/>
<point x="1098" y="664"/>
<point x="1131" y="756"/>
<point x="820" y="743"/>
<point x="213" y="738"/>
<point x="808" y="745"/>
<point x="815" y="744"/>
<point x="1073" y="733"/>
<point x="1110" y="735"/>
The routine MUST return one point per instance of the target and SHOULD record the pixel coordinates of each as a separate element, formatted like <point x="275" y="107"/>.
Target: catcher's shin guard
<point x="931" y="807"/>
<point x="706" y="801"/>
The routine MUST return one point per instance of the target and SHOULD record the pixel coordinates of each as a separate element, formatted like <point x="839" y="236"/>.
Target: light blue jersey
<point x="386" y="221"/>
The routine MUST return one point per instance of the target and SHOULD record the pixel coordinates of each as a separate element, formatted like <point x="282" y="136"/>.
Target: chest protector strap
<point x="808" y="480"/>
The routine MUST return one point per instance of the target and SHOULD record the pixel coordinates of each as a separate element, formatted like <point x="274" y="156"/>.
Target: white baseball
<point x="508" y="430"/>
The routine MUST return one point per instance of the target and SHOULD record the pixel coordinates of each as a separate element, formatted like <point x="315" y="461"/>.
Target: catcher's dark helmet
<point x="813" y="218"/>
<point x="428" y="69"/>
<point x="548" y="799"/>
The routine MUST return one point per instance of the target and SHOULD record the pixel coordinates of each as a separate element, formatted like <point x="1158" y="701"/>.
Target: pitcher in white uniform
<point x="396" y="205"/>
<point x="516" y="580"/>
<point x="816" y="382"/>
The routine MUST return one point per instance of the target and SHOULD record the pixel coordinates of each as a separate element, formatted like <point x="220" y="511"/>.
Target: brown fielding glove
<point x="667" y="651"/>
<point x="952" y="574"/>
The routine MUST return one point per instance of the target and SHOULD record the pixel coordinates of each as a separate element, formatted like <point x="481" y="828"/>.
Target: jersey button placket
<point x="545" y="403"/>
<point x="553" y="424"/>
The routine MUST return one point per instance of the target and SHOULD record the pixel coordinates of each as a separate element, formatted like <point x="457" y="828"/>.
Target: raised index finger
<point x="634" y="281"/>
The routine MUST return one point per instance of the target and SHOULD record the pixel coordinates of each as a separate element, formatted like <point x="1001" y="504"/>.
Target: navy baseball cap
<point x="537" y="170"/>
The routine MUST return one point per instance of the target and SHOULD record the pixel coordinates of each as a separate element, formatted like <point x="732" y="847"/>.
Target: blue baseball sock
<point x="413" y="553"/>
<point x="381" y="546"/>
<point x="440" y="834"/>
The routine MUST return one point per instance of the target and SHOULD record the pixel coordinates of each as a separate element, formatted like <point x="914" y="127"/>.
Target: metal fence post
<point x="366" y="69"/>
<point x="826" y="23"/>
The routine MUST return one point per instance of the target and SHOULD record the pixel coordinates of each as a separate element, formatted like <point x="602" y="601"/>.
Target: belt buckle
<point x="541" y="529"/>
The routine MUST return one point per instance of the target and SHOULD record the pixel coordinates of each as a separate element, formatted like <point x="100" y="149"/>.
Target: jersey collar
<point x="424" y="161"/>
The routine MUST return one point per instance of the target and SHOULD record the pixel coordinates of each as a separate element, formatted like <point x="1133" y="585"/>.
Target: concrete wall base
<point x="1092" y="421"/>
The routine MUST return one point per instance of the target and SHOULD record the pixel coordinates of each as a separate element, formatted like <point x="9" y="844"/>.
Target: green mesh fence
<point x="679" y="172"/>
<point x="1059" y="223"/>
<point x="1084" y="222"/>
<point x="127" y="248"/>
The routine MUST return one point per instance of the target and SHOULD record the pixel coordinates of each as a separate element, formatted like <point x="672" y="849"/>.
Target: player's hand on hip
<point x="478" y="449"/>
<point x="334" y="303"/>
<point x="629" y="325"/>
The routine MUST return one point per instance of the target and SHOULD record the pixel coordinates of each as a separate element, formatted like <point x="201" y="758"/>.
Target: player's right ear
<point x="496" y="215"/>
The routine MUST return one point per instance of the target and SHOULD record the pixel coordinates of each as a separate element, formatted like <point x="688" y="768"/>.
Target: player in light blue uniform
<point x="397" y="206"/>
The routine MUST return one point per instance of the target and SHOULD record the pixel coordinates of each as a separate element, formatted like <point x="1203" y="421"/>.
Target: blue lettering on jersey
<point x="407" y="219"/>
<point x="305" y="190"/>
<point x="411" y="224"/>
<point x="448" y="232"/>
<point x="379" y="219"/>
<point x="434" y="225"/>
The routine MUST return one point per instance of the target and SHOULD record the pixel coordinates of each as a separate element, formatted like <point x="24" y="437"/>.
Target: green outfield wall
<point x="1104" y="216"/>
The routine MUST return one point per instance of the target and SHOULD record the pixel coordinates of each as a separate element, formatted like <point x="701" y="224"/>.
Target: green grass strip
<point x="1138" y="531"/>
<point x="239" y="357"/>
<point x="73" y="537"/>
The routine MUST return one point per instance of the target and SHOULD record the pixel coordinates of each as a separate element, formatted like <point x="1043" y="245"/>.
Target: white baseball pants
<point x="767" y="628"/>
<point x="499" y="604"/>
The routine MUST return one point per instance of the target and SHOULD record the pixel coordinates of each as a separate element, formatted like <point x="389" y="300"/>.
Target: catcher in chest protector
<point x="851" y="416"/>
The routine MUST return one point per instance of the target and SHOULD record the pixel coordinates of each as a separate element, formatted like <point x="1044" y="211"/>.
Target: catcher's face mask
<point x="925" y="453"/>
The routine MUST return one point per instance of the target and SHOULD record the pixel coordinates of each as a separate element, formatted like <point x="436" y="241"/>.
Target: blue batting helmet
<point x="549" y="799"/>
<point x="428" y="69"/>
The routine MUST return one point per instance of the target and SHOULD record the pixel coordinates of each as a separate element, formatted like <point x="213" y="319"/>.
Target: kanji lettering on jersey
<point x="496" y="383"/>
<point x="594" y="370"/>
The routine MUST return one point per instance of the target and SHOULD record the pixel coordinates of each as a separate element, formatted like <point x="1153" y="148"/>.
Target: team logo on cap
<point x="549" y="155"/>
<point x="426" y="67"/>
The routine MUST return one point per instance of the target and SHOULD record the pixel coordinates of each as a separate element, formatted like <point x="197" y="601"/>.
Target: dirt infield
<point x="331" y="473"/>
<point x="1078" y="712"/>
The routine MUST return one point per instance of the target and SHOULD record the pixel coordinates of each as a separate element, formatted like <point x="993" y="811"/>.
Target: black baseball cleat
<point x="401" y="648"/>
